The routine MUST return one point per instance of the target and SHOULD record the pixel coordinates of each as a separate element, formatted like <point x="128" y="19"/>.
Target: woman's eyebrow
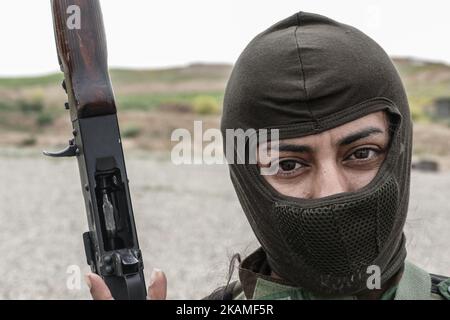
<point x="294" y="148"/>
<point x="359" y="135"/>
<point x="287" y="147"/>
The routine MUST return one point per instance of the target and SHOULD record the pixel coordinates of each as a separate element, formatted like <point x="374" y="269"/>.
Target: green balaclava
<point x="304" y="75"/>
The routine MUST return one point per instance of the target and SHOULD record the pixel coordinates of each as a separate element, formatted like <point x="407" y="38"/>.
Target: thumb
<point x="157" y="289"/>
<point x="99" y="289"/>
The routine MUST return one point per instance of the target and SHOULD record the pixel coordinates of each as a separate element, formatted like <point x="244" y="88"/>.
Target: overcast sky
<point x="160" y="33"/>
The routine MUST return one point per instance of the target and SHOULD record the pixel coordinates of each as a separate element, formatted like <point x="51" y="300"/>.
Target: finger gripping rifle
<point x="111" y="245"/>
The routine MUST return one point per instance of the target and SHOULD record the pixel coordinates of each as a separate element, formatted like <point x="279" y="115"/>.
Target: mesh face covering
<point x="302" y="76"/>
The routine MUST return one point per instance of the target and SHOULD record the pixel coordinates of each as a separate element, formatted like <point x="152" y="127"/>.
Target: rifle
<point x="111" y="245"/>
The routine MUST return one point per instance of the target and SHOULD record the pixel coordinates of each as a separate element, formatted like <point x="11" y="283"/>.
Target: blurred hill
<point x="135" y="89"/>
<point x="154" y="102"/>
<point x="151" y="104"/>
<point x="424" y="81"/>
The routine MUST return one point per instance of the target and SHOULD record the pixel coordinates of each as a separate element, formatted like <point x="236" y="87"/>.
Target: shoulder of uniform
<point x="440" y="285"/>
<point x="228" y="292"/>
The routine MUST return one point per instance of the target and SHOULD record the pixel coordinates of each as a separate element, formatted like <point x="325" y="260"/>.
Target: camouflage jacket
<point x="255" y="283"/>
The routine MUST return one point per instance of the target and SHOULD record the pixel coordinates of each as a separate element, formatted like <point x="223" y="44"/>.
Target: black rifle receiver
<point x="111" y="245"/>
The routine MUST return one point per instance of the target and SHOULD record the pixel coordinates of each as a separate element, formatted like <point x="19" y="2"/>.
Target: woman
<point x="330" y="219"/>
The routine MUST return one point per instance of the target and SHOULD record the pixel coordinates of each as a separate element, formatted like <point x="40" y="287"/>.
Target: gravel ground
<point x="188" y="218"/>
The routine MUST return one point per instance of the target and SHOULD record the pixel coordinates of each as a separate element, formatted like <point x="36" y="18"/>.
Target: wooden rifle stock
<point x="83" y="56"/>
<point x="111" y="245"/>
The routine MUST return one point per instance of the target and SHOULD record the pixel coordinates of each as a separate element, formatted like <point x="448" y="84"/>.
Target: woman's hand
<point x="157" y="290"/>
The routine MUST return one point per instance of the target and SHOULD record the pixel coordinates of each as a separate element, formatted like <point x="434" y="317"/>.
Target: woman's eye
<point x="363" y="154"/>
<point x="289" y="165"/>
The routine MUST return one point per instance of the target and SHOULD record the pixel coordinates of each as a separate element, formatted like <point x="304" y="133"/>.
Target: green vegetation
<point x="131" y="131"/>
<point x="6" y="106"/>
<point x="33" y="104"/>
<point x="22" y="82"/>
<point x="149" y="101"/>
<point x="418" y="114"/>
<point x="424" y="82"/>
<point x="206" y="105"/>
<point x="171" y="75"/>
<point x="45" y="119"/>
<point x="28" y="142"/>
